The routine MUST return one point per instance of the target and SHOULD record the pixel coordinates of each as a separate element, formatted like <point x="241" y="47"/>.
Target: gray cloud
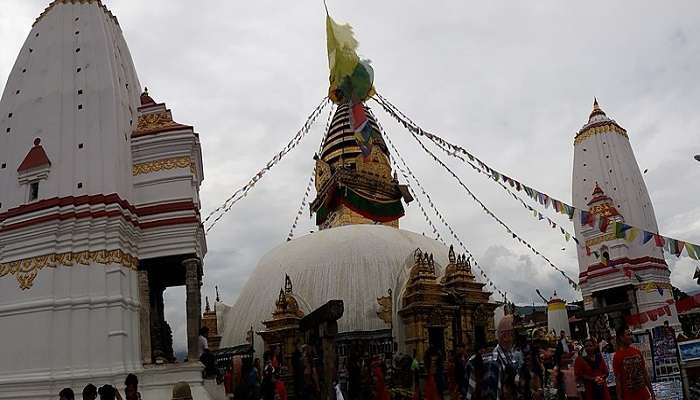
<point x="510" y="82"/>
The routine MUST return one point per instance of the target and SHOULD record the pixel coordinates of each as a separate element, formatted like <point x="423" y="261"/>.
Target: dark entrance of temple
<point x="436" y="338"/>
<point x="479" y="335"/>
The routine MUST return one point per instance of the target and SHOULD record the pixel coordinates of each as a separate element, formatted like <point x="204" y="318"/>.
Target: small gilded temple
<point x="398" y="288"/>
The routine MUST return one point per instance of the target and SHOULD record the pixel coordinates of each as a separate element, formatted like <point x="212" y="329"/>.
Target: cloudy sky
<point x="509" y="81"/>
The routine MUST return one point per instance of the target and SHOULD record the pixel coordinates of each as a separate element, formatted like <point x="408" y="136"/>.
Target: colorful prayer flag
<point x="620" y="229"/>
<point x="693" y="251"/>
<point x="659" y="240"/>
<point x="647" y="237"/>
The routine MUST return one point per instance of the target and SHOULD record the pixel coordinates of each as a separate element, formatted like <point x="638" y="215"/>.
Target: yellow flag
<point x="342" y="51"/>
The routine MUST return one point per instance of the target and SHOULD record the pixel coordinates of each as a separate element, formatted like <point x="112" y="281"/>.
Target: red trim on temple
<point x="67" y="201"/>
<point x="95" y="200"/>
<point x="169" y="222"/>
<point x="165" y="208"/>
<point x="616" y="266"/>
<point x="35" y="158"/>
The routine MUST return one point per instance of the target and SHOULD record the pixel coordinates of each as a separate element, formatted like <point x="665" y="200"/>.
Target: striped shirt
<point x="498" y="368"/>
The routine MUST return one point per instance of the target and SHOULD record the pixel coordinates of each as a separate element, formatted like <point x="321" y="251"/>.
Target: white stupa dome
<point x="353" y="263"/>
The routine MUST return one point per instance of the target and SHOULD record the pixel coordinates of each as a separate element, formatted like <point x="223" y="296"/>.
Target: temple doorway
<point x="479" y="335"/>
<point x="436" y="338"/>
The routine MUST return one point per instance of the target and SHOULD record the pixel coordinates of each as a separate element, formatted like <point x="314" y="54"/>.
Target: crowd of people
<point x="535" y="370"/>
<point x="534" y="367"/>
<point x="513" y="368"/>
<point x="256" y="380"/>
<point x="181" y="391"/>
<point x="106" y="392"/>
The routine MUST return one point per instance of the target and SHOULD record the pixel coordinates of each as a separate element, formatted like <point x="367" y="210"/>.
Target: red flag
<point x="659" y="240"/>
<point x="603" y="224"/>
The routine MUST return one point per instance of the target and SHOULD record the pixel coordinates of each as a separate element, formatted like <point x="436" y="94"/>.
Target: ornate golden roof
<point x="459" y="268"/>
<point x="286" y="305"/>
<point x="423" y="267"/>
<point x="598" y="122"/>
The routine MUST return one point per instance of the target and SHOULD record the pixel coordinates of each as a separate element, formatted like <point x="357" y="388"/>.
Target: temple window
<point x="33" y="169"/>
<point x="33" y="191"/>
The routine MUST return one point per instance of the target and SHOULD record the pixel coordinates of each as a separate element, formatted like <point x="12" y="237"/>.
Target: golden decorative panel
<point x="604" y="209"/>
<point x="154" y="122"/>
<point x="601" y="239"/>
<point x="376" y="164"/>
<point x="598" y="130"/>
<point x="27" y="269"/>
<point x="160" y="165"/>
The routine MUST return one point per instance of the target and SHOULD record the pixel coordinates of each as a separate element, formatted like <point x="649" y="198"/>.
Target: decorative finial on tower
<point x="218" y="300"/>
<point x="287" y="284"/>
<point x="146" y="99"/>
<point x="596" y="109"/>
<point x="206" y="307"/>
<point x="451" y="255"/>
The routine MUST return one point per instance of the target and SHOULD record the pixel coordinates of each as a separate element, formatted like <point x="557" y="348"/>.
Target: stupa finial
<point x="596" y="109"/>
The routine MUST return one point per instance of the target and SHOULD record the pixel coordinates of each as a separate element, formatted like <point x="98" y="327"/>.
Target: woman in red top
<point x="380" y="390"/>
<point x="431" y="390"/>
<point x="631" y="374"/>
<point x="280" y="388"/>
<point x="591" y="369"/>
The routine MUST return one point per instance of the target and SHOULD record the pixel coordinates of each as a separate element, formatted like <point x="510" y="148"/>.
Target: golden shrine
<point x="447" y="312"/>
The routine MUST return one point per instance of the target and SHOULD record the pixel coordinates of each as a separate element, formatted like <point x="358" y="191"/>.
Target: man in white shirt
<point x="203" y="342"/>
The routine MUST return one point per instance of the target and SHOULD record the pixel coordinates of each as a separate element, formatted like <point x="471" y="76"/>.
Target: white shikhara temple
<point x="607" y="182"/>
<point x="99" y="213"/>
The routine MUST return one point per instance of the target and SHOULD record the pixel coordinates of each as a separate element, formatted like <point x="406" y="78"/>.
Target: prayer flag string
<point x="243" y="191"/>
<point x="434" y="208"/>
<point x="304" y="199"/>
<point x="673" y="246"/>
<point x="411" y="128"/>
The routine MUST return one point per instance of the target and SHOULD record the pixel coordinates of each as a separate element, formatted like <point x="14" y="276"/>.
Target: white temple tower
<point x="557" y="316"/>
<point x="607" y="182"/>
<point x="98" y="198"/>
